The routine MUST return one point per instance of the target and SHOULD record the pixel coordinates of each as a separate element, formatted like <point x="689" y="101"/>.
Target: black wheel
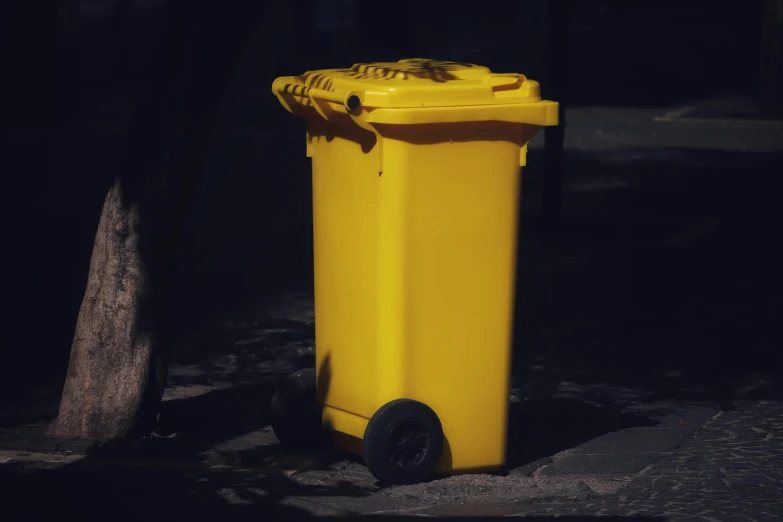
<point x="296" y="414"/>
<point x="403" y="442"/>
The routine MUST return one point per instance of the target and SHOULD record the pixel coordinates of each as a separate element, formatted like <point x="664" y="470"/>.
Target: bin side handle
<point x="350" y="101"/>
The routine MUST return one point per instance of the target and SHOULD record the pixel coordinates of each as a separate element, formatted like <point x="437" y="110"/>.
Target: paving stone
<point x="35" y="444"/>
<point x="620" y="464"/>
<point x="313" y="475"/>
<point x="80" y="445"/>
<point x="530" y="468"/>
<point x="161" y="449"/>
<point x="291" y="465"/>
<point x="472" y="509"/>
<point x="353" y="501"/>
<point x="338" y="465"/>
<point x="368" y="484"/>
<point x="248" y="441"/>
<point x="688" y="418"/>
<point x="314" y="507"/>
<point x="637" y="440"/>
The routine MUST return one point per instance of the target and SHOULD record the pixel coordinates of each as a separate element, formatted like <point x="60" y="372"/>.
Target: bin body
<point x="415" y="245"/>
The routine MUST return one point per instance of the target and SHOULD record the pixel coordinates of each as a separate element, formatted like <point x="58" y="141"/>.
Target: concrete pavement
<point x="562" y="447"/>
<point x="729" y="469"/>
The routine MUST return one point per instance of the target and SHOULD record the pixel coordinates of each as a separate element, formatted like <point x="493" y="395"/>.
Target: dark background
<point x="601" y="297"/>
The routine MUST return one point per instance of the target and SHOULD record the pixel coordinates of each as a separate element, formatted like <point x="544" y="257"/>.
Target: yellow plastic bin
<point x="416" y="178"/>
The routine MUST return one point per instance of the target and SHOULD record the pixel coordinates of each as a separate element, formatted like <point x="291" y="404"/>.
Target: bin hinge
<point x="362" y="123"/>
<point x="523" y="155"/>
<point x="379" y="151"/>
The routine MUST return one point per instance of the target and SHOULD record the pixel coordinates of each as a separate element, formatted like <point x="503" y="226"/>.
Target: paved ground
<point x="574" y="443"/>
<point x="730" y="469"/>
<point x="576" y="450"/>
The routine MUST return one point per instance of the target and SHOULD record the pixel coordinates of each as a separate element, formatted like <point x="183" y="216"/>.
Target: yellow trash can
<point x="416" y="178"/>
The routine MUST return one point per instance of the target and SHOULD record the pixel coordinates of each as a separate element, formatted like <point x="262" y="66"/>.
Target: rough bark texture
<point x="119" y="354"/>
<point x="112" y="353"/>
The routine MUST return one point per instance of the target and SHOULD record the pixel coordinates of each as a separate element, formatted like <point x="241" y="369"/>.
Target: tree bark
<point x="120" y="349"/>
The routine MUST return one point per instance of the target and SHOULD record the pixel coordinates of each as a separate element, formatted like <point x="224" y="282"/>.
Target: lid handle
<point x="493" y="81"/>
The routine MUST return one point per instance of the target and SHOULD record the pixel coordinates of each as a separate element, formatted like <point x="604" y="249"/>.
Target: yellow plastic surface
<point x="432" y="91"/>
<point x="415" y="226"/>
<point x="417" y="83"/>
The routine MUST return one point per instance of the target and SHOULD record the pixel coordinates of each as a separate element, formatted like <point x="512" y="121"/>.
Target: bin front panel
<point x="462" y="193"/>
<point x="415" y="277"/>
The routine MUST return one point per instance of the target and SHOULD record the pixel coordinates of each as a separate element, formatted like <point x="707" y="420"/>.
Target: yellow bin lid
<point x="417" y="91"/>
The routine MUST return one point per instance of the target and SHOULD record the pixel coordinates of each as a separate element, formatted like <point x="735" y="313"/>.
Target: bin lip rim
<point x="510" y="102"/>
<point x="529" y="101"/>
<point x="543" y="113"/>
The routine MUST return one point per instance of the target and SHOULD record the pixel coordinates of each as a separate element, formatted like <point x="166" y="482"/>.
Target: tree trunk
<point x="119" y="355"/>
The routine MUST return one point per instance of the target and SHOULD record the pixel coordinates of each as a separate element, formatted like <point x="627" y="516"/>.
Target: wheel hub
<point x="409" y="445"/>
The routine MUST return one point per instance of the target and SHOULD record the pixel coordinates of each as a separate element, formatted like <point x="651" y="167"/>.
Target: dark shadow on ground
<point x="541" y="428"/>
<point x="185" y="478"/>
<point x="92" y="490"/>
